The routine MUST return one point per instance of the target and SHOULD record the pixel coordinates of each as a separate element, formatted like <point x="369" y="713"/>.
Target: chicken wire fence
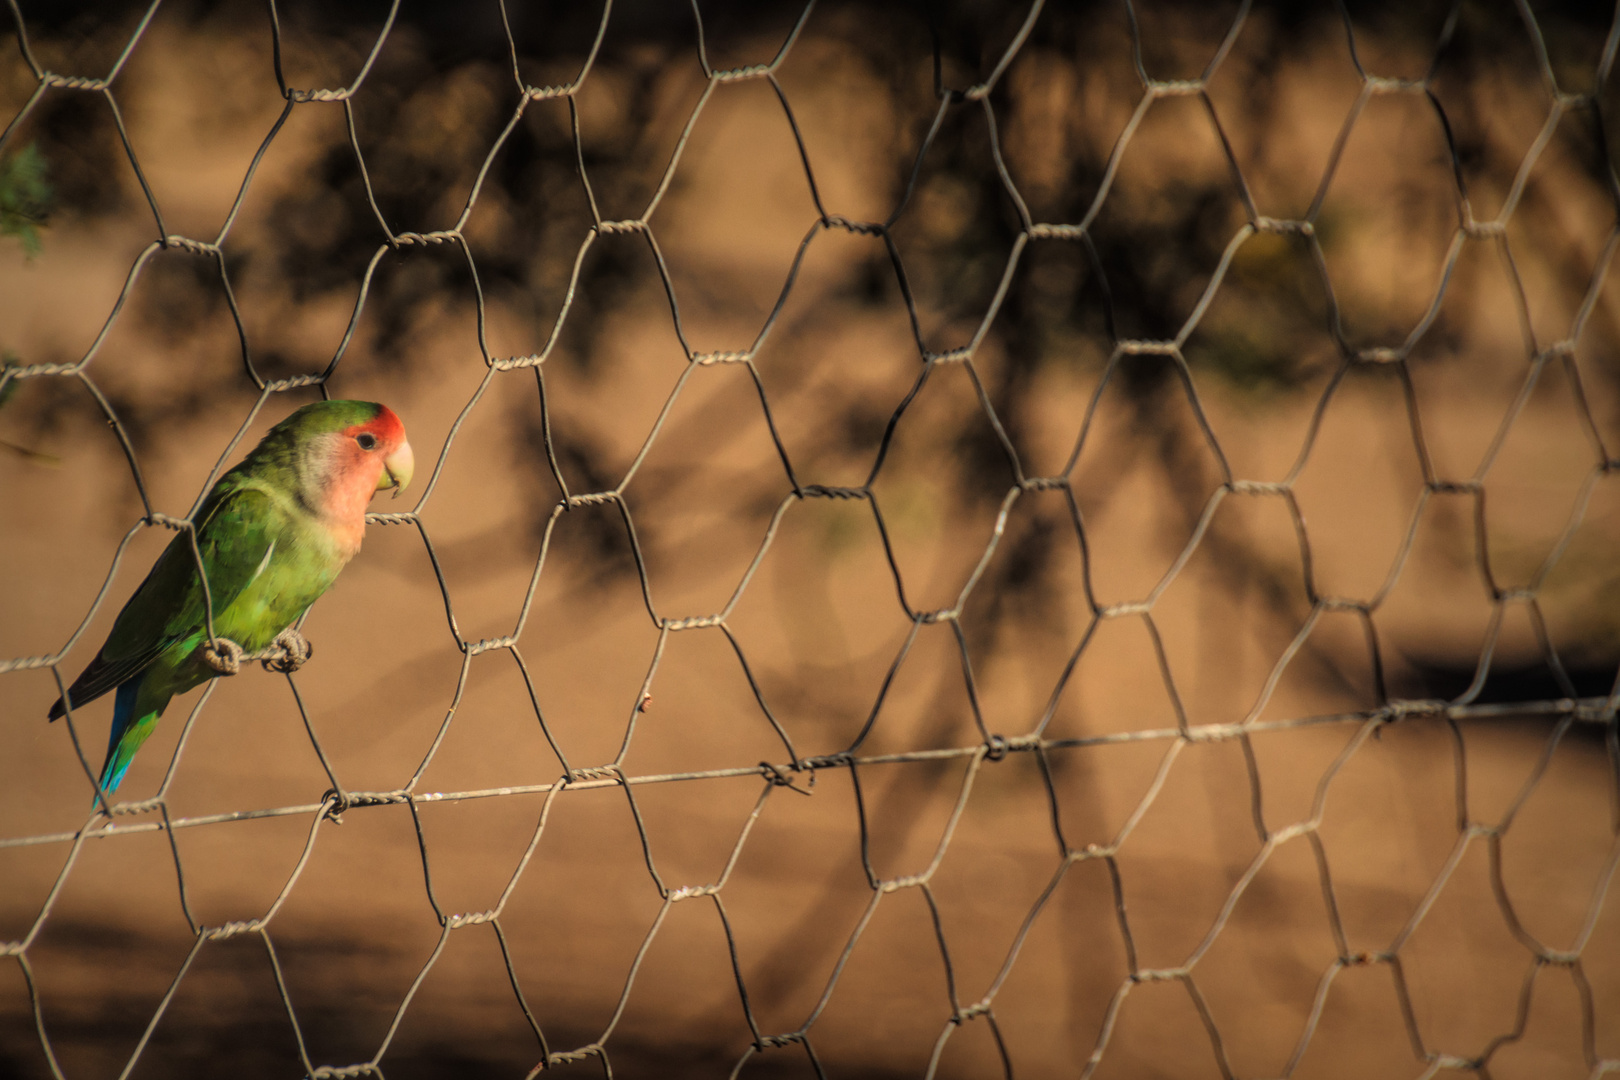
<point x="964" y="1004"/>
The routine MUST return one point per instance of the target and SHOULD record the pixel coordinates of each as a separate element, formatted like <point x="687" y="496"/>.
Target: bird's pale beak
<point x="397" y="469"/>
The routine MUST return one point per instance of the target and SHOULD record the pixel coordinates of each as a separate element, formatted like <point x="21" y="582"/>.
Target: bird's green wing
<point x="235" y="535"/>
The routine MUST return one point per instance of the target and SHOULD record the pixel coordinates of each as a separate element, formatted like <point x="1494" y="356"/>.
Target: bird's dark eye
<point x="366" y="440"/>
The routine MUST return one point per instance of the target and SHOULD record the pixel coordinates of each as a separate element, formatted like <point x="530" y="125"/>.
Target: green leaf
<point x="35" y="456"/>
<point x="25" y="197"/>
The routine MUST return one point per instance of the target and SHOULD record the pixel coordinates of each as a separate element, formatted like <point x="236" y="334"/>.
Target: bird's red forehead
<point x="385" y="425"/>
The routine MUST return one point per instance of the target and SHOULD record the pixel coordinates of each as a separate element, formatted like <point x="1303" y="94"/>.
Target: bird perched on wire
<point x="272" y="536"/>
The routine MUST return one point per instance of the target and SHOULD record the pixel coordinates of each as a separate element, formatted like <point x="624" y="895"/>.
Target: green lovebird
<point x="273" y="535"/>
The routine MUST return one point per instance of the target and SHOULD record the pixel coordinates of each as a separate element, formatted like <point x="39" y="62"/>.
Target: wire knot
<point x="782" y="776"/>
<point x="596" y="772"/>
<point x="334" y="803"/>
<point x="470" y="918"/>
<point x="230" y="929"/>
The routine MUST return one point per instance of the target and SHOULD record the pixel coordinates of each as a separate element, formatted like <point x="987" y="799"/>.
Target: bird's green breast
<point x="302" y="561"/>
<point x="301" y="564"/>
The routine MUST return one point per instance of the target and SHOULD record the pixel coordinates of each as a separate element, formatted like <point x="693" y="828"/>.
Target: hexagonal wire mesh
<point x="1039" y="734"/>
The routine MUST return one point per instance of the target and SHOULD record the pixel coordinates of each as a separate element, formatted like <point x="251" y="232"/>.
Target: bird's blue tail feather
<point x="119" y="751"/>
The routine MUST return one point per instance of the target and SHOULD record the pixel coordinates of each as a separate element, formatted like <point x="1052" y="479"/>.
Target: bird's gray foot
<point x="223" y="655"/>
<point x="295" y="651"/>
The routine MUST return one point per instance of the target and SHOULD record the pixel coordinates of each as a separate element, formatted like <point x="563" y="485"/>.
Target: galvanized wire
<point x="966" y="1005"/>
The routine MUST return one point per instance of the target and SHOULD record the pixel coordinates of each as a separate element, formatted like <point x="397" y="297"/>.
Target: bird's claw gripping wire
<point x="291" y="651"/>
<point x="224" y="655"/>
<point x="287" y="653"/>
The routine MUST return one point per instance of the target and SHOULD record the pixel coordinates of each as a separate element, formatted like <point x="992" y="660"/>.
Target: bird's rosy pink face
<point x="347" y="467"/>
<point x="376" y="454"/>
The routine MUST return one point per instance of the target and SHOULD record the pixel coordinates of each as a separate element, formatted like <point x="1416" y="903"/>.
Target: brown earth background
<point x="1191" y="639"/>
